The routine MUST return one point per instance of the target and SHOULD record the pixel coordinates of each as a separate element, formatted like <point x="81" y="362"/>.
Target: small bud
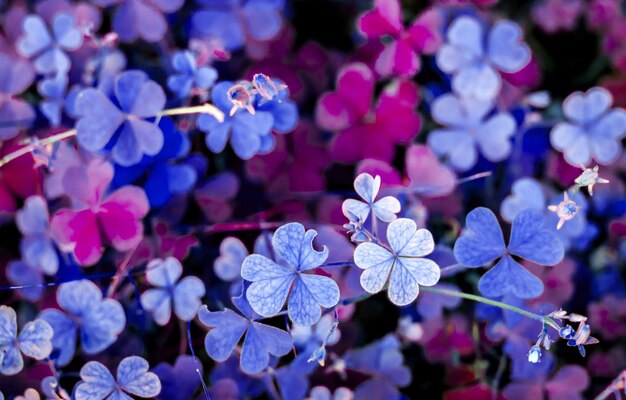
<point x="318" y="355"/>
<point x="534" y="355"/>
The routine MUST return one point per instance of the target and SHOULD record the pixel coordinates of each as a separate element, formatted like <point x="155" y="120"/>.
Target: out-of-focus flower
<point x="14" y="112"/>
<point x="557" y="15"/>
<point x="189" y="75"/>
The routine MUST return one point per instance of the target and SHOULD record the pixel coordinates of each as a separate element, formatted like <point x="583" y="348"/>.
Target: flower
<point x="366" y="131"/>
<point x="401" y="54"/>
<point x="141" y="19"/>
<point x="98" y="320"/>
<point x="406" y="243"/>
<point x="565" y="210"/>
<point x="33" y="341"/>
<point x="467" y="126"/>
<point x="594" y="130"/>
<point x="179" y="381"/>
<point x="36" y="245"/>
<point x="184" y="294"/>
<point x="481" y="242"/>
<point x="367" y="187"/>
<point x="133" y="377"/>
<point x="14" y="112"/>
<point x="266" y="87"/>
<point x="474" y="60"/>
<point x="227" y="329"/>
<point x="48" y="48"/>
<point x="534" y="355"/>
<point x="271" y="281"/>
<point x="116" y="216"/>
<point x="53" y="90"/>
<point x="233" y="22"/>
<point x="116" y="119"/>
<point x="189" y="75"/>
<point x="589" y="177"/>
<point x="246" y="131"/>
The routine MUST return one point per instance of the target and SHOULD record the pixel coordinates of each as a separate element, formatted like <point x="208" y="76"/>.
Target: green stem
<point x="504" y="306"/>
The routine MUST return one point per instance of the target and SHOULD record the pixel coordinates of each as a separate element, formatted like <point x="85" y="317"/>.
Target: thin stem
<point x="44" y="142"/>
<point x="204" y="108"/>
<point x="614" y="388"/>
<point x="504" y="306"/>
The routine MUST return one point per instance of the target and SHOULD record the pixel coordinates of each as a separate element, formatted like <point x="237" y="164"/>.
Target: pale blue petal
<point x="64" y="339"/>
<point x="583" y="108"/>
<point x="386" y="208"/>
<point x="38" y="251"/>
<point x="481" y="241"/>
<point x="227" y="266"/>
<point x="158" y="303"/>
<point x="134" y="378"/>
<point x="367" y="187"/>
<point x="451" y="59"/>
<point x="504" y="48"/>
<point x="97" y="382"/>
<point x="164" y="273"/>
<point x="606" y="136"/>
<point x="448" y="110"/>
<point x="303" y="309"/>
<point x="8" y="325"/>
<point x="217" y="132"/>
<point x="478" y="81"/>
<point x="494" y="137"/>
<point x="406" y="240"/>
<point x="152" y="100"/>
<point x="12" y="361"/>
<point x="403" y="287"/>
<point x="466" y="33"/>
<point x="98" y="119"/>
<point x="457" y="145"/>
<point x="228" y="327"/>
<point x="294" y="245"/>
<point x="254" y="356"/>
<point x="205" y="77"/>
<point x="377" y="262"/>
<point x="127" y="87"/>
<point x="355" y="209"/>
<point x="508" y="277"/>
<point x="262" y="22"/>
<point x="187" y="297"/>
<point x="256" y="267"/>
<point x="35" y="339"/>
<point x="119" y="395"/>
<point x="137" y="137"/>
<point x="36" y="36"/>
<point x="323" y="289"/>
<point x="180" y="84"/>
<point x="276" y="341"/>
<point x="531" y="240"/>
<point x="525" y="193"/>
<point x="66" y="33"/>
<point x="33" y="217"/>
<point x="20" y="273"/>
<point x="101" y="326"/>
<point x="564" y="134"/>
<point x="268" y="296"/>
<point x="426" y="272"/>
<point x="247" y="131"/>
<point x="79" y="296"/>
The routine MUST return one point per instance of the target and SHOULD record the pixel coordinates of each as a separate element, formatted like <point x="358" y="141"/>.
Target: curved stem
<point x="499" y="304"/>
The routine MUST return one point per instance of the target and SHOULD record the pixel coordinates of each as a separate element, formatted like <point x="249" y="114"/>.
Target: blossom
<point x="593" y="129"/>
<point x="189" y="74"/>
<point x="401" y="261"/>
<point x="14" y="112"/>
<point x="365" y="131"/>
<point x="367" y="187"/>
<point x="468" y="126"/>
<point x="474" y="56"/>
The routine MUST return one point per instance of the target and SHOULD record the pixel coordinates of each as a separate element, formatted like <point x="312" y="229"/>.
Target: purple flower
<point x="14" y="113"/>
<point x="118" y="121"/>
<point x="474" y="56"/>
<point x="189" y="75"/>
<point x="141" y="19"/>
<point x="594" y="130"/>
<point x="36" y="245"/>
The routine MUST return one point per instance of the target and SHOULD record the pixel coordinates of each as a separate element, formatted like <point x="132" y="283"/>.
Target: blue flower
<point x="164" y="178"/>
<point x="231" y="22"/>
<point x="271" y="281"/>
<point x="99" y="320"/>
<point x="179" y="381"/>
<point x="33" y="341"/>
<point x="467" y="127"/>
<point x="21" y="273"/>
<point x="246" y="131"/>
<point x="53" y="92"/>
<point x="227" y="329"/>
<point x="185" y="294"/>
<point x="474" y="60"/>
<point x="285" y="114"/>
<point x="119" y="122"/>
<point x="133" y="377"/>
<point x="49" y="49"/>
<point x="188" y="75"/>
<point x="594" y="130"/>
<point x="36" y="245"/>
<point x="406" y="244"/>
<point x="481" y="242"/>
<point x="367" y="187"/>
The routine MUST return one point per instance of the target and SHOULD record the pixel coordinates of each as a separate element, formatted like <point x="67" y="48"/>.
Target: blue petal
<point x="157" y="186"/>
<point x="39" y="252"/>
<point x="276" y="341"/>
<point x="158" y="303"/>
<point x="64" y="339"/>
<point x="377" y="262"/>
<point x="227" y="266"/>
<point x="98" y="119"/>
<point x="308" y="294"/>
<point x="36" y="36"/>
<point x="164" y="273"/>
<point x="508" y="277"/>
<point x="12" y="361"/>
<point x="525" y="193"/>
<point x="101" y="326"/>
<point x="78" y="297"/>
<point x="407" y="275"/>
<point x="352" y="209"/>
<point x="228" y="327"/>
<point x="127" y="88"/>
<point x="408" y="241"/>
<point x="271" y="284"/>
<point x="181" y="178"/>
<point x="205" y="77"/>
<point x="187" y="297"/>
<point x="285" y="114"/>
<point x="247" y="132"/>
<point x="386" y="208"/>
<point x="8" y="325"/>
<point x="532" y="241"/>
<point x="217" y="132"/>
<point x="254" y="356"/>
<point x="294" y="245"/>
<point x="494" y="137"/>
<point x="33" y="217"/>
<point x="184" y="62"/>
<point x="134" y="378"/>
<point x="263" y="20"/>
<point x="481" y="241"/>
<point x="504" y="48"/>
<point x="457" y="145"/>
<point x="180" y="84"/>
<point x="66" y="33"/>
<point x="223" y="25"/>
<point x="97" y="382"/>
<point x="219" y="96"/>
<point x="20" y="273"/>
<point x="35" y="339"/>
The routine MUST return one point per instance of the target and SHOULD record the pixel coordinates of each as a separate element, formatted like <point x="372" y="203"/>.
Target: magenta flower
<point x="401" y="54"/>
<point x="568" y="383"/>
<point x="96" y="217"/>
<point x="366" y="131"/>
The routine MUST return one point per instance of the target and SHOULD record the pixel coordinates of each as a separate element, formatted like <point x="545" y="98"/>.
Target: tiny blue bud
<point x="534" y="355"/>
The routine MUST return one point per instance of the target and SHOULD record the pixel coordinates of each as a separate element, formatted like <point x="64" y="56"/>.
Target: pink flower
<point x="401" y="54"/>
<point x="568" y="383"/>
<point x="366" y="132"/>
<point x="215" y="195"/>
<point x="600" y="13"/>
<point x="296" y="164"/>
<point x="557" y="15"/>
<point x="608" y="317"/>
<point x="97" y="217"/>
<point x="445" y="337"/>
